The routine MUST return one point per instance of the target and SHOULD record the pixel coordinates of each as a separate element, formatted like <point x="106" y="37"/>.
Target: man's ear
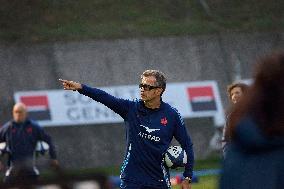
<point x="159" y="91"/>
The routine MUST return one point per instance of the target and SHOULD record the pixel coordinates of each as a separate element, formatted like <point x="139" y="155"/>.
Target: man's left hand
<point x="185" y="184"/>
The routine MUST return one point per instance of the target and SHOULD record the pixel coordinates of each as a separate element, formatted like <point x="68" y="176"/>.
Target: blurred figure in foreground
<point x="235" y="92"/>
<point x="21" y="136"/>
<point x="256" y="132"/>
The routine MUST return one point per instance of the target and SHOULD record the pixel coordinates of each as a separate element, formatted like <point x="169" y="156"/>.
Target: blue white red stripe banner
<point x="59" y="107"/>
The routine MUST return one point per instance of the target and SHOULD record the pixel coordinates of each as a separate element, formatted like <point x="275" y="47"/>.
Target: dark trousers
<point x="20" y="175"/>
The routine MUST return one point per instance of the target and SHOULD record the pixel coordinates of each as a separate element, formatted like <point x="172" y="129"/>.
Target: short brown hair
<point x="160" y="78"/>
<point x="230" y="87"/>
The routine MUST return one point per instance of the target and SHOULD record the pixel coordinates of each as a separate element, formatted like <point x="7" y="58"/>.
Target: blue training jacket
<point x="253" y="160"/>
<point x="21" y="140"/>
<point x="149" y="133"/>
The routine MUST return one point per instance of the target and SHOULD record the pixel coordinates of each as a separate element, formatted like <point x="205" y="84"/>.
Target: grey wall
<point x="120" y="62"/>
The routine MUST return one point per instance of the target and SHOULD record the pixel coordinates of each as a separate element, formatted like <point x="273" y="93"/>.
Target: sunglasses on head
<point x="147" y="87"/>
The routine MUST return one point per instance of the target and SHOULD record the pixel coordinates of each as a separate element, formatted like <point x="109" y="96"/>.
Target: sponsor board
<point x="59" y="107"/>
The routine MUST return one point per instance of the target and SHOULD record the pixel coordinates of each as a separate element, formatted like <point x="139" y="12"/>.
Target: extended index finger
<point x="63" y="80"/>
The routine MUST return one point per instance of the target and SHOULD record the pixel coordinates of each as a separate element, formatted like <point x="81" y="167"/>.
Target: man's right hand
<point x="70" y="85"/>
<point x="54" y="164"/>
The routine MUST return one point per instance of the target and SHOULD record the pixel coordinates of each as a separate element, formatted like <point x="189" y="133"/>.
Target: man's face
<point x="236" y="94"/>
<point x="148" y="90"/>
<point x="19" y="113"/>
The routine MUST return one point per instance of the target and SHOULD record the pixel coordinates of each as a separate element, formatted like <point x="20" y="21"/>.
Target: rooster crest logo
<point x="164" y="121"/>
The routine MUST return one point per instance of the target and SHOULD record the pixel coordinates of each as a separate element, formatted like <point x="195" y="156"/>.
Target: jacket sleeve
<point x="3" y="132"/>
<point x="118" y="105"/>
<point x="184" y="139"/>
<point x="43" y="136"/>
<point x="224" y="141"/>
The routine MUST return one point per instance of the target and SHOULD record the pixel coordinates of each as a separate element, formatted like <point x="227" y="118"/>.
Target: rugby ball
<point x="175" y="157"/>
<point x="41" y="147"/>
<point x="3" y="148"/>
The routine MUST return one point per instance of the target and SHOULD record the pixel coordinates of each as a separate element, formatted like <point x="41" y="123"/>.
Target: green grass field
<point x="205" y="182"/>
<point x="50" y="20"/>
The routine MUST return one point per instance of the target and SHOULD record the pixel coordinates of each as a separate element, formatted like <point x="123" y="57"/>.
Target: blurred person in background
<point x="151" y="125"/>
<point x="235" y="92"/>
<point x="256" y="132"/>
<point x="21" y="136"/>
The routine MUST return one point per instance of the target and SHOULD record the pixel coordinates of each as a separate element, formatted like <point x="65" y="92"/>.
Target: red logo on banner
<point x="37" y="106"/>
<point x="35" y="101"/>
<point x="201" y="98"/>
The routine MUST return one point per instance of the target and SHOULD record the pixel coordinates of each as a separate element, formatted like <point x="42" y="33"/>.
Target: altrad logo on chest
<point x="147" y="134"/>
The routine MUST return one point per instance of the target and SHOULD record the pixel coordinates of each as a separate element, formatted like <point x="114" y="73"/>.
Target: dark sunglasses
<point x="147" y="87"/>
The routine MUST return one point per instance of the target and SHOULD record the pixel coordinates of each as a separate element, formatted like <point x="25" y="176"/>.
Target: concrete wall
<point x="120" y="62"/>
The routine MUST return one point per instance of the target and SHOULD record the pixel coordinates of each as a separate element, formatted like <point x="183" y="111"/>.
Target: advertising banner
<point x="60" y="107"/>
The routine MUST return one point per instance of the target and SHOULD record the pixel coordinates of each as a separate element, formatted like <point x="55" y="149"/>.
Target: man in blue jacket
<point x="21" y="136"/>
<point x="151" y="125"/>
